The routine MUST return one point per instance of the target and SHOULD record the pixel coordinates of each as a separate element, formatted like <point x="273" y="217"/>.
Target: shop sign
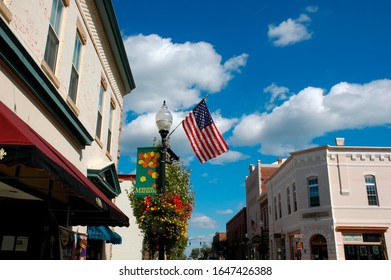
<point x="300" y="245"/>
<point x="353" y="237"/>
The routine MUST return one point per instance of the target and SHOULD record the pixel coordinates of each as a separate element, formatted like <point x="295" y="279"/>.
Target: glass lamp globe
<point x="163" y="118"/>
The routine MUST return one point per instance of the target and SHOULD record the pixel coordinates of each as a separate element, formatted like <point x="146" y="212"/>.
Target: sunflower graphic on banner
<point x="148" y="171"/>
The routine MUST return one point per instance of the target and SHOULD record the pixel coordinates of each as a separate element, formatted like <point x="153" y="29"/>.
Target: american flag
<point x="205" y="139"/>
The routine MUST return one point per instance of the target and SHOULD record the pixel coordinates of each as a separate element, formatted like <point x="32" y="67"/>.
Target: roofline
<point x="111" y="27"/>
<point x="330" y="148"/>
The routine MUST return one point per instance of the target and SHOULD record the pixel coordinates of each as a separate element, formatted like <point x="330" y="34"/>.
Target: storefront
<point x="296" y="242"/>
<point x="365" y="243"/>
<point x="40" y="191"/>
<point x="279" y="246"/>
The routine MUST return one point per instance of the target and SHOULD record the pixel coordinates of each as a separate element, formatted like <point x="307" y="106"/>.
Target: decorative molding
<point x="99" y="40"/>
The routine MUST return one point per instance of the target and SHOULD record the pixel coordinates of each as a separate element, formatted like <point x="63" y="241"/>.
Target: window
<point x="110" y="130"/>
<point x="52" y="42"/>
<point x="75" y="69"/>
<point x="313" y="191"/>
<point x="288" y="200"/>
<point x="370" y="185"/>
<point x="294" y="197"/>
<point x="100" y="114"/>
<point x="275" y="208"/>
<point x="279" y="206"/>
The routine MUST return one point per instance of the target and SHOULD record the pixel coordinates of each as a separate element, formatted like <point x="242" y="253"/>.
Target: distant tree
<point x="195" y="253"/>
<point x="206" y="252"/>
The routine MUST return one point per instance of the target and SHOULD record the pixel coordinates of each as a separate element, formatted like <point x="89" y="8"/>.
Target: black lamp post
<point x="163" y="121"/>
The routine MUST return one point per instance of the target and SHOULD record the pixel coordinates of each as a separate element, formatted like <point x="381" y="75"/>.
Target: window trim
<point x="50" y="71"/>
<point x="100" y="111"/>
<point x="5" y="12"/>
<point x="374" y="185"/>
<point x="294" y="194"/>
<point x="109" y="142"/>
<point x="310" y="203"/>
<point x="288" y="200"/>
<point x="279" y="206"/>
<point x="75" y="69"/>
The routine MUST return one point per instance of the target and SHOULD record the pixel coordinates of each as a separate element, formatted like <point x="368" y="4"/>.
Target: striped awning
<point x="104" y="233"/>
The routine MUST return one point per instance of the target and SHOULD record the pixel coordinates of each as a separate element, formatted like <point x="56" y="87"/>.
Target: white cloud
<point x="290" y="31"/>
<point x="177" y="73"/>
<point x="311" y="9"/>
<point x="227" y="157"/>
<point x="277" y="94"/>
<point x="201" y="221"/>
<point x="214" y="180"/>
<point x="312" y="113"/>
<point x="224" y="212"/>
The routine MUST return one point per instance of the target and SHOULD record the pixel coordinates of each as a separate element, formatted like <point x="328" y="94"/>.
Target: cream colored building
<point x="132" y="237"/>
<point x="331" y="202"/>
<point x="63" y="74"/>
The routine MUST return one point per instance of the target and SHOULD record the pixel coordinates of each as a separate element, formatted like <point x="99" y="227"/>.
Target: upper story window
<point x="99" y="120"/>
<point x="110" y="127"/>
<point x="370" y="184"/>
<point x="275" y="208"/>
<point x="288" y="200"/>
<point x="294" y="197"/>
<point x="279" y="206"/>
<point x="52" y="43"/>
<point x="75" y="69"/>
<point x="313" y="192"/>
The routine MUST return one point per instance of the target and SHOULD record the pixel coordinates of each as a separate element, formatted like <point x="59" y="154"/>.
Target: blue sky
<point x="280" y="76"/>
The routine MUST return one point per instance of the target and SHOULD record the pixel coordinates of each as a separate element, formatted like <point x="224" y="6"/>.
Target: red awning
<point x="22" y="147"/>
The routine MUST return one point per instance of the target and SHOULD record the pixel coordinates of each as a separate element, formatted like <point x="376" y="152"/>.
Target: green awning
<point x="104" y="233"/>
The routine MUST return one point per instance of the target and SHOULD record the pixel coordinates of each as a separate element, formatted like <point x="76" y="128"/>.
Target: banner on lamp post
<point x="147" y="171"/>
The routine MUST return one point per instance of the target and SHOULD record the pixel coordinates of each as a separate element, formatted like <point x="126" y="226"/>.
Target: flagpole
<point x="174" y="129"/>
<point x="206" y="96"/>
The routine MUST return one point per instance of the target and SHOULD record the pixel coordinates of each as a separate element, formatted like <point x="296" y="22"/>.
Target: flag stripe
<point x="219" y="139"/>
<point x="203" y="134"/>
<point x="198" y="140"/>
<point x="209" y="142"/>
<point x="191" y="134"/>
<point x="208" y="133"/>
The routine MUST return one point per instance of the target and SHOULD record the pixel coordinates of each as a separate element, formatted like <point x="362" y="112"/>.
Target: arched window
<point x="318" y="247"/>
<point x="370" y="184"/>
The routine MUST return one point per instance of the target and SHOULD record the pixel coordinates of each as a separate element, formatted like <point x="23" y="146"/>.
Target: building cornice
<point x="102" y="26"/>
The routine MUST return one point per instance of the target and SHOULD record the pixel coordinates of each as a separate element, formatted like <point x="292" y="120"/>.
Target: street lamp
<point x="163" y="121"/>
